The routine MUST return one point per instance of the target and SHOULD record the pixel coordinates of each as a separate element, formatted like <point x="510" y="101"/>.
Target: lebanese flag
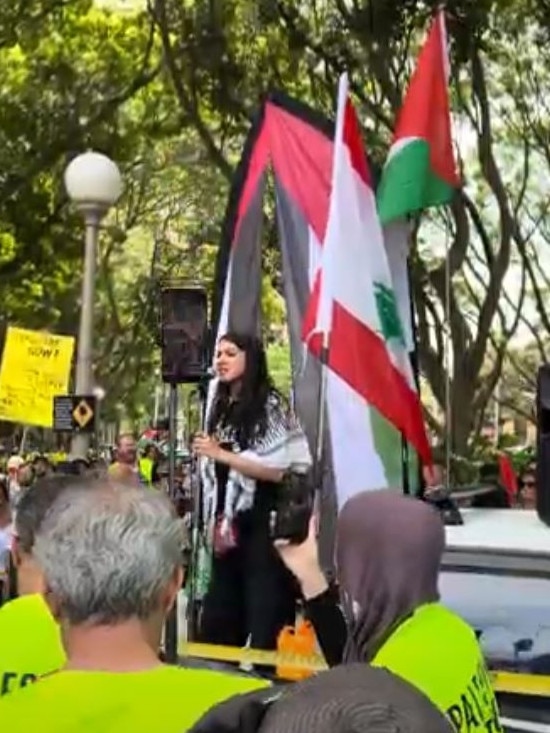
<point x="353" y="306"/>
<point x="420" y="171"/>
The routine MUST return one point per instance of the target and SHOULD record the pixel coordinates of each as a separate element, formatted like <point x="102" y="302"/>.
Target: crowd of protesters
<point x="99" y="567"/>
<point x="97" y="562"/>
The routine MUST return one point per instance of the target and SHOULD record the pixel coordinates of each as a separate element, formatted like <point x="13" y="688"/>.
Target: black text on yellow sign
<point x="74" y="413"/>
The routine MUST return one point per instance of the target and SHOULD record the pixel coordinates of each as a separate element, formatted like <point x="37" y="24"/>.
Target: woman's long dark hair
<point x="248" y="414"/>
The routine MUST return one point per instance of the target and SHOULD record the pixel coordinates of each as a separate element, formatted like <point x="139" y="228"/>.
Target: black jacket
<point x="327" y="618"/>
<point x="239" y="714"/>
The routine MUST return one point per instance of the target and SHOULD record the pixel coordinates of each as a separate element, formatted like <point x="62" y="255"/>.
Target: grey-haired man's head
<point x="111" y="554"/>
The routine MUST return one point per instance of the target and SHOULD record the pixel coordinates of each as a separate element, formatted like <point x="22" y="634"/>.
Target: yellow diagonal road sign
<point x="83" y="414"/>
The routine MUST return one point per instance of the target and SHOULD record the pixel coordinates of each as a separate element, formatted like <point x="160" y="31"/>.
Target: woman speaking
<point x="252" y="439"/>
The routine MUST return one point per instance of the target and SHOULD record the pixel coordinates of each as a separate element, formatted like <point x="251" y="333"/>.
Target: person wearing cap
<point x="354" y="698"/>
<point x="15" y="467"/>
<point x="388" y="553"/>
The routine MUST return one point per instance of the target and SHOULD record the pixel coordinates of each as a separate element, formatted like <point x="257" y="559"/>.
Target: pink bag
<point x="225" y="536"/>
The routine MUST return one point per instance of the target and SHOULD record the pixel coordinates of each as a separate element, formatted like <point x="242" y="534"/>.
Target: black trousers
<point x="251" y="593"/>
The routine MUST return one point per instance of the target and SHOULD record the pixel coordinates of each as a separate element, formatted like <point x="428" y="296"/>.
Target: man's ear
<point x="16" y="551"/>
<point x="172" y="590"/>
<point x="180" y="577"/>
<point x="52" y="603"/>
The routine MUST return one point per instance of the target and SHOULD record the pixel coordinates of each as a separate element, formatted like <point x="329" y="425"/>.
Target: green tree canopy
<point x="223" y="57"/>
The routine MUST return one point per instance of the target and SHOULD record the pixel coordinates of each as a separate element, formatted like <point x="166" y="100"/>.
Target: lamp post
<point x="94" y="184"/>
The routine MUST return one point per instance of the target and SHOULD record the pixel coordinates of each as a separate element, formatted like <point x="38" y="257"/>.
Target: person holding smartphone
<point x="386" y="610"/>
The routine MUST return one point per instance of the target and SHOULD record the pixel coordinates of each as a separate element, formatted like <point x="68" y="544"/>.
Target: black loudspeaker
<point x="543" y="443"/>
<point x="184" y="334"/>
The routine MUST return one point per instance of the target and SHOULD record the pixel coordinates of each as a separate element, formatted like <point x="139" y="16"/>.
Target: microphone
<point x="204" y="381"/>
<point x="209" y="374"/>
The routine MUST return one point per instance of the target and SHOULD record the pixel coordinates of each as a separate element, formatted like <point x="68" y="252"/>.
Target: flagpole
<point x="447" y="336"/>
<point x="447" y="362"/>
<point x="413" y="355"/>
<point x="324" y="316"/>
<point x="319" y="459"/>
<point x="405" y="456"/>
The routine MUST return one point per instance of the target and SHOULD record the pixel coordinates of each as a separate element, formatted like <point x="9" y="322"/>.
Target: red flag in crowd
<point x="507" y="476"/>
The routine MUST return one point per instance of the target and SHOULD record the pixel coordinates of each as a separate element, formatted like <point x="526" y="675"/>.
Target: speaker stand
<point x="196" y="526"/>
<point x="171" y="625"/>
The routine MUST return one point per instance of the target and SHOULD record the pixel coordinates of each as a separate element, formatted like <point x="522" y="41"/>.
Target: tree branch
<point x="157" y="9"/>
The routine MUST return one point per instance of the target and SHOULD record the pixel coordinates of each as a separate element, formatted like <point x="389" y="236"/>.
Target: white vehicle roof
<point x="512" y="530"/>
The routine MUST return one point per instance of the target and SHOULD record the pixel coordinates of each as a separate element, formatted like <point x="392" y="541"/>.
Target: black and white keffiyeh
<point x="282" y="446"/>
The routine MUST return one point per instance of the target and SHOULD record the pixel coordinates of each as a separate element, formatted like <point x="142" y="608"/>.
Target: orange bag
<point x="299" y="640"/>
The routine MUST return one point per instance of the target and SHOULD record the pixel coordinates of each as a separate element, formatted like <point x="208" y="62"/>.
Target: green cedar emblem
<point x="388" y="313"/>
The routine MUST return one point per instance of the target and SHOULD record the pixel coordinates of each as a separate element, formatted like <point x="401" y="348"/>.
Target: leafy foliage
<point x="303" y="48"/>
<point x="169" y="92"/>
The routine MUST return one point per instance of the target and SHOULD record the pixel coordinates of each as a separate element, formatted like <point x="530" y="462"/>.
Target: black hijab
<point x="388" y="553"/>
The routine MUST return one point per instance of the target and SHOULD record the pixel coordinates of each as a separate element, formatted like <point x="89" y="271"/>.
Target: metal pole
<point x="171" y="626"/>
<point x="172" y="437"/>
<point x="23" y="439"/>
<point x="156" y="407"/>
<point x="497" y="414"/>
<point x="193" y="570"/>
<point x="319" y="459"/>
<point x="84" y="373"/>
<point x="448" y="365"/>
<point x="405" y="456"/>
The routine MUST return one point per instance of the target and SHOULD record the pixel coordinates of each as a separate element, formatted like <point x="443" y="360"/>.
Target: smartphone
<point x="291" y="518"/>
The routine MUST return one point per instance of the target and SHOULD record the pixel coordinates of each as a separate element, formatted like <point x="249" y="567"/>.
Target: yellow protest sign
<point x="35" y="368"/>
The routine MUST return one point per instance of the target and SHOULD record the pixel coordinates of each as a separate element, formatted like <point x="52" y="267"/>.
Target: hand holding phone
<point x="291" y="519"/>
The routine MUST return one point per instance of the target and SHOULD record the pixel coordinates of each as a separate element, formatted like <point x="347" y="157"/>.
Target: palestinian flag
<point x="420" y="171"/>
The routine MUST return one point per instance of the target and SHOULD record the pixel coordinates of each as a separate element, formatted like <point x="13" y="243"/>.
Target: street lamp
<point x="94" y="184"/>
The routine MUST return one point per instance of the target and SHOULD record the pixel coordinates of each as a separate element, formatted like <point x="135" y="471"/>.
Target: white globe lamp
<point x="93" y="182"/>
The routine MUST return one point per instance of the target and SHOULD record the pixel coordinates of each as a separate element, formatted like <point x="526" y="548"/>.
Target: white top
<point x="515" y="530"/>
<point x="5" y="547"/>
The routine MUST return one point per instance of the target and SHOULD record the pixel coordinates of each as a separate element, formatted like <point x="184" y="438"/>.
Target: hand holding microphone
<point x="206" y="446"/>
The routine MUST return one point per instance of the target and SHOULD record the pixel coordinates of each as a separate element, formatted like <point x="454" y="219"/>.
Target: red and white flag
<point x="353" y="309"/>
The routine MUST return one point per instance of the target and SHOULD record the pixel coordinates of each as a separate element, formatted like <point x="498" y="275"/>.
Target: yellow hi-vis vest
<point x="146" y="470"/>
<point x="437" y="652"/>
